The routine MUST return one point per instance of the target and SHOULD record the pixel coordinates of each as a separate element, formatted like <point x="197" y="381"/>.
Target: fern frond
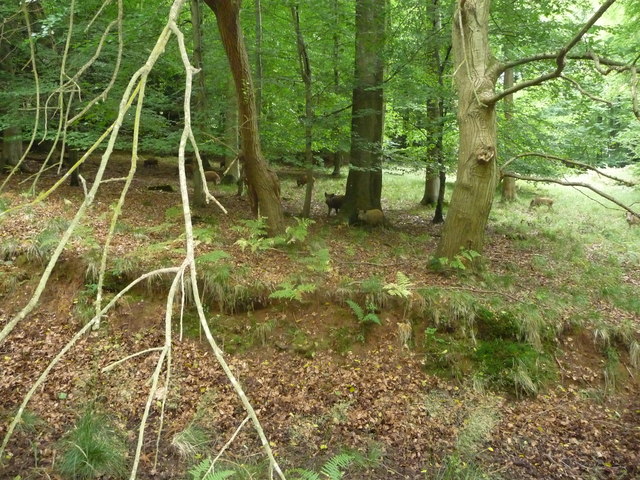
<point x="334" y="466"/>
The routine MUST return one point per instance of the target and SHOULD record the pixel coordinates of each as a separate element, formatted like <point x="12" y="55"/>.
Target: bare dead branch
<point x="571" y="184"/>
<point x="567" y="162"/>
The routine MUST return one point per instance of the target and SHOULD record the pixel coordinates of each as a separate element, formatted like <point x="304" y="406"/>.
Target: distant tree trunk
<point x="12" y="134"/>
<point x="438" y="216"/>
<point x="259" y="75"/>
<point x="72" y="158"/>
<point x="431" y="189"/>
<point x="508" y="183"/>
<point x="364" y="182"/>
<point x="435" y="184"/>
<point x="231" y="161"/>
<point x="11" y="146"/>
<point x="338" y="159"/>
<point x="477" y="167"/>
<point x="338" y="155"/>
<point x="264" y="188"/>
<point x="200" y="106"/>
<point x="305" y="73"/>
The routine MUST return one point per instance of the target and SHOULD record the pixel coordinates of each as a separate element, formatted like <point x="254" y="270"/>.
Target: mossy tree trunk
<point x="364" y="182"/>
<point x="263" y="185"/>
<point x="476" y="179"/>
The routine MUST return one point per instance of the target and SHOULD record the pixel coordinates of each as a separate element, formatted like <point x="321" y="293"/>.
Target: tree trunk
<point x="508" y="183"/>
<point x="231" y="161"/>
<point x="200" y="106"/>
<point x="477" y="171"/>
<point x="305" y="73"/>
<point x="364" y="182"/>
<point x="431" y="189"/>
<point x="264" y="188"/>
<point x="508" y="189"/>
<point x="438" y="216"/>
<point x="259" y="75"/>
<point x="11" y="146"/>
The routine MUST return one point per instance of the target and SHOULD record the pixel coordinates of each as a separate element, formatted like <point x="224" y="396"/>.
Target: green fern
<point x="199" y="472"/>
<point x="401" y="287"/>
<point x="334" y="466"/>
<point x="331" y="470"/>
<point x="363" y="317"/>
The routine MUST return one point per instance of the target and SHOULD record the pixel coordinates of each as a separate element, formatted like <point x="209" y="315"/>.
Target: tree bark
<point x="508" y="183"/>
<point x="259" y="75"/>
<point x="364" y="182"/>
<point x="264" y="188"/>
<point x="431" y="189"/>
<point x="11" y="146"/>
<point x="200" y="106"/>
<point x="477" y="167"/>
<point x="305" y="73"/>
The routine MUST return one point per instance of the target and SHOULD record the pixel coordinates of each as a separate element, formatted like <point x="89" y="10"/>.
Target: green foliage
<point x="298" y="233"/>
<point x="46" y="241"/>
<point x="319" y="260"/>
<point x="459" y="262"/>
<point x="365" y="318"/>
<point x="201" y="472"/>
<point x="286" y="290"/>
<point x="92" y="449"/>
<point x="401" y="288"/>
<point x="331" y="470"/>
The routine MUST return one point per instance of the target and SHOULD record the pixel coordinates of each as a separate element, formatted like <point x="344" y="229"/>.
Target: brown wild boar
<point x="632" y="219"/>
<point x="333" y="201"/>
<point x="302" y="180"/>
<point x="212" y="176"/>
<point x="538" y="201"/>
<point x="373" y="218"/>
<point x="150" y="162"/>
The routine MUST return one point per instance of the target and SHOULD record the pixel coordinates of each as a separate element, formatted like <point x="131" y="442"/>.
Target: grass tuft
<point x="93" y="449"/>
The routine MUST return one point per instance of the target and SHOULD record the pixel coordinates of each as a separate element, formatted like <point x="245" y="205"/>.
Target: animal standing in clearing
<point x="538" y="201"/>
<point x="632" y="219"/>
<point x="333" y="201"/>
<point x="303" y="180"/>
<point x="373" y="218"/>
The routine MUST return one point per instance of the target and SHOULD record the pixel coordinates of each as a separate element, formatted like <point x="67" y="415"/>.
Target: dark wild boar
<point x="333" y="201"/>
<point x="150" y="162"/>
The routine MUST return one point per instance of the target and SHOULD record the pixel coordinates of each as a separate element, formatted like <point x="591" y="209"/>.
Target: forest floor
<point x="322" y="381"/>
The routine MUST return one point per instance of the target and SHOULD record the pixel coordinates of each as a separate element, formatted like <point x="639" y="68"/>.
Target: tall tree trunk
<point x="231" y="137"/>
<point x="259" y="75"/>
<point x="477" y="167"/>
<point x="339" y="154"/>
<point x="364" y="182"/>
<point x="508" y="183"/>
<point x="305" y="73"/>
<point x="200" y="106"/>
<point x="264" y="188"/>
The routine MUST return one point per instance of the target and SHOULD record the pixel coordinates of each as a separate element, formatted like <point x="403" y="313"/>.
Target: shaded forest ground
<point x="525" y="370"/>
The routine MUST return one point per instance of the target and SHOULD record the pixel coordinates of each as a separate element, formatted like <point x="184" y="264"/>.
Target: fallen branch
<point x="567" y="162"/>
<point x="572" y="184"/>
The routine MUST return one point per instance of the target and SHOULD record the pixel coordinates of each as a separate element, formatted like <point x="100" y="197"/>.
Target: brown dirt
<point x="312" y="400"/>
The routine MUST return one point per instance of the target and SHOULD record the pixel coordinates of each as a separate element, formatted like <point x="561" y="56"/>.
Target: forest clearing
<point x="313" y="240"/>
